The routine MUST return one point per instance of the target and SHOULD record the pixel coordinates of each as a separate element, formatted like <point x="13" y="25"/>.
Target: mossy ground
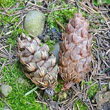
<point x="17" y="99"/>
<point x="10" y="74"/>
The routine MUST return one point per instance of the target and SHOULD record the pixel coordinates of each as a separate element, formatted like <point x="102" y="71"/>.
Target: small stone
<point x="56" y="51"/>
<point x="102" y="97"/>
<point x="55" y="34"/>
<point x="5" y="89"/>
<point x="46" y="38"/>
<point x="87" y="100"/>
<point x="22" y="81"/>
<point x="65" y="95"/>
<point x="53" y="30"/>
<point x="106" y="96"/>
<point x="6" y="108"/>
<point x="104" y="89"/>
<point x="93" y="101"/>
<point x="34" y="23"/>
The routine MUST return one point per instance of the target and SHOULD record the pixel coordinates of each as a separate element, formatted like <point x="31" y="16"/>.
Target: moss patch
<point x="62" y="16"/>
<point x="16" y="99"/>
<point x="81" y="105"/>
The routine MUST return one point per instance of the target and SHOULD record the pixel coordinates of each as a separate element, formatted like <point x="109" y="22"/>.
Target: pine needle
<point x="31" y="91"/>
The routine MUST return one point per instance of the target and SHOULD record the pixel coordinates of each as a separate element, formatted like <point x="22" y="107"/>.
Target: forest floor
<point x="81" y="96"/>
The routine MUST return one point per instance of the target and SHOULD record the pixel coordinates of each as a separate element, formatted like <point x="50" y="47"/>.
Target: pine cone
<point x="38" y="65"/>
<point x="75" y="51"/>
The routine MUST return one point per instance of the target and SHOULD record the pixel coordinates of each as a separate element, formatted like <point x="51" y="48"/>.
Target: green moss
<point x="81" y="105"/>
<point x="101" y="2"/>
<point x="51" y="44"/>
<point x="62" y="16"/>
<point x="15" y="32"/>
<point x="7" y="3"/>
<point x="5" y="20"/>
<point x="13" y="37"/>
<point x="92" y="90"/>
<point x="2" y="104"/>
<point x="16" y="98"/>
<point x="60" y="85"/>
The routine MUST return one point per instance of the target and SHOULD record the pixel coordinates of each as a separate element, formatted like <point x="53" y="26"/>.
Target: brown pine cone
<point x="38" y="65"/>
<point x="75" y="51"/>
